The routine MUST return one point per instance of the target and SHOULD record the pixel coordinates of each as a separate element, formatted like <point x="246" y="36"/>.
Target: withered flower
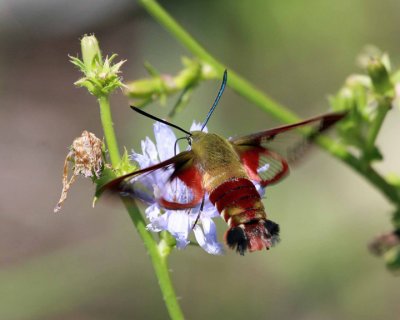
<point x="85" y="158"/>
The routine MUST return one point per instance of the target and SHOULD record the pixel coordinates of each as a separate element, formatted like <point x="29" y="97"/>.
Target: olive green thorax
<point x="216" y="158"/>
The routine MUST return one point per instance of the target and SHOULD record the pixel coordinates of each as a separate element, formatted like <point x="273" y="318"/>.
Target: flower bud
<point x="90" y="52"/>
<point x="379" y="76"/>
<point x="100" y="77"/>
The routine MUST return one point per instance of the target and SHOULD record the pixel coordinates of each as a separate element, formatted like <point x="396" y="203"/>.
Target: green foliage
<point x="354" y="97"/>
<point x="367" y="98"/>
<point x="159" y="86"/>
<point x="125" y="165"/>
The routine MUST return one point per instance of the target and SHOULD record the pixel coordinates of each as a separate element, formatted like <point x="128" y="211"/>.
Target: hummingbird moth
<point x="224" y="170"/>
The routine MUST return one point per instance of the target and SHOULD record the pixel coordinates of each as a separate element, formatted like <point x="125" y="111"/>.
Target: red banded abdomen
<point x="238" y="201"/>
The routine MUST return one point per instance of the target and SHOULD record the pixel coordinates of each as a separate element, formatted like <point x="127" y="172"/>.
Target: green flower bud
<point x="90" y="52"/>
<point x="380" y="77"/>
<point x="101" y="77"/>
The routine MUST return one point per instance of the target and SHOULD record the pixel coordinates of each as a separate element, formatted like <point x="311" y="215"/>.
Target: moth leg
<point x="201" y="209"/>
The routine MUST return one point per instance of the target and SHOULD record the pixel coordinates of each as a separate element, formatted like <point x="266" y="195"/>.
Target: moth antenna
<point x="160" y="120"/>
<point x="220" y="92"/>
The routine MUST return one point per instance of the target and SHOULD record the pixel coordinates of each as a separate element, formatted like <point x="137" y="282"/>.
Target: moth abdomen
<point x="239" y="203"/>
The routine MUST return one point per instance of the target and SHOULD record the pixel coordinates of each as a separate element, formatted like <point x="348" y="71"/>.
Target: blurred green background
<point x="86" y="263"/>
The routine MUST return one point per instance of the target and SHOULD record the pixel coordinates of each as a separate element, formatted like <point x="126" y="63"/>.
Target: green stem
<point x="383" y="108"/>
<point x="247" y="90"/>
<point x="240" y="85"/>
<point x="106" y="121"/>
<point x="158" y="260"/>
<point x="340" y="152"/>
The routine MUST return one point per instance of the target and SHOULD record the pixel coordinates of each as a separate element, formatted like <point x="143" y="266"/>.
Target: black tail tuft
<point x="252" y="236"/>
<point x="272" y="227"/>
<point x="273" y="230"/>
<point x="236" y="238"/>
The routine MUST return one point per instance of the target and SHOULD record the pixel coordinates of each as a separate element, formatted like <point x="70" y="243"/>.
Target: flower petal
<point x="159" y="223"/>
<point x="165" y="140"/>
<point x="149" y="150"/>
<point x="152" y="212"/>
<point x="196" y="126"/>
<point x="207" y="237"/>
<point x="209" y="210"/>
<point x="178" y="226"/>
<point x="143" y="161"/>
<point x="260" y="189"/>
<point x="177" y="191"/>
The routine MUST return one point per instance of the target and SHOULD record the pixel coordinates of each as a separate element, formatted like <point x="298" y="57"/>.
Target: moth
<point x="224" y="169"/>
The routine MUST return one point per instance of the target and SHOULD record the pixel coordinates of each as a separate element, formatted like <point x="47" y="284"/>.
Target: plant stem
<point x="159" y="261"/>
<point x="106" y="121"/>
<point x="247" y="90"/>
<point x="383" y="108"/>
<point x="240" y="85"/>
<point x="339" y="151"/>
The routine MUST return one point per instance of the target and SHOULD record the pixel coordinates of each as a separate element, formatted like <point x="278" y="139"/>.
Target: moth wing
<point x="174" y="183"/>
<point x="183" y="189"/>
<point x="266" y="155"/>
<point x="263" y="165"/>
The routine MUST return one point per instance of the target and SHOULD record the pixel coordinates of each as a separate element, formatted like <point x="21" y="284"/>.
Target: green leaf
<point x="125" y="166"/>
<point x="151" y="70"/>
<point x="373" y="155"/>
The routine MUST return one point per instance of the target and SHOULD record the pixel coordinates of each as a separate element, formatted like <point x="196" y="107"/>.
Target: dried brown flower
<point x="85" y="158"/>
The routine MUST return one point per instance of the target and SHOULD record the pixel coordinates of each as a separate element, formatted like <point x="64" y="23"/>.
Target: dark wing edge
<point x="325" y="122"/>
<point x="267" y="164"/>
<point x="184" y="170"/>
